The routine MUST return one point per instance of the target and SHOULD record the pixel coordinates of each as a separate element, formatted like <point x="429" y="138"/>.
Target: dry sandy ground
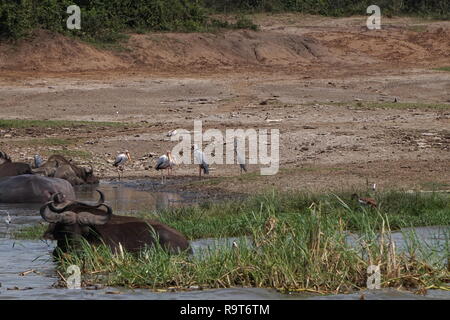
<point x="329" y="86"/>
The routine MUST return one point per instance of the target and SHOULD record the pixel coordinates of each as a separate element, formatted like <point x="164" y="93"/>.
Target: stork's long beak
<point x="129" y="156"/>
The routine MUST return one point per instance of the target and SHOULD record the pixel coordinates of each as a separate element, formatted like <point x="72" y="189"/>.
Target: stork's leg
<point x="200" y="172"/>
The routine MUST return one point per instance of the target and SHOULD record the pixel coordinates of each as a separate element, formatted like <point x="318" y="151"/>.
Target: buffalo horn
<point x="86" y="218"/>
<point x="98" y="204"/>
<point x="51" y="217"/>
<point x="56" y="209"/>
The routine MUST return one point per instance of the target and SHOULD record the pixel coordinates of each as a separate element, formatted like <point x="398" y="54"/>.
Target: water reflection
<point x="122" y="197"/>
<point x="126" y="199"/>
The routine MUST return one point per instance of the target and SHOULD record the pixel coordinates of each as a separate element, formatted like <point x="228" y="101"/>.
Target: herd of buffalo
<point x="51" y="184"/>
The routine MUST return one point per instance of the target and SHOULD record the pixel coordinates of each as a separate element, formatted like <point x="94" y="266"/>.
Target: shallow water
<point x="17" y="256"/>
<point x="122" y="197"/>
<point x="27" y="255"/>
<point x="125" y="198"/>
<point x="22" y="256"/>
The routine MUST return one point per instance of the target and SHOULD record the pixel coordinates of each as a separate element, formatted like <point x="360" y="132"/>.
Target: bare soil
<point x="353" y="106"/>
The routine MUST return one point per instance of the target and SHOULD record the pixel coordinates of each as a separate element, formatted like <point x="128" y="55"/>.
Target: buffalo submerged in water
<point x="9" y="168"/>
<point x="29" y="188"/>
<point x="71" y="221"/>
<point x="59" y="167"/>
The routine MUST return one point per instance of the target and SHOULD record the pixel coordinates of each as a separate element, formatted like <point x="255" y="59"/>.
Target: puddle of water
<point x="435" y="240"/>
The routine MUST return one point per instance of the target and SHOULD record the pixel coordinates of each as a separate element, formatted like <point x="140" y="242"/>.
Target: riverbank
<point x="293" y="242"/>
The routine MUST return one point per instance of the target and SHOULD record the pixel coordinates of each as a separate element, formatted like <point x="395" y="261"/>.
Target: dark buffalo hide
<point x="59" y="167"/>
<point x="33" y="189"/>
<point x="73" y="220"/>
<point x="9" y="169"/>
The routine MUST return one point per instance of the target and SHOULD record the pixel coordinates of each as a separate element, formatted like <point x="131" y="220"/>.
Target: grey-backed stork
<point x="37" y="161"/>
<point x="166" y="161"/>
<point x="201" y="160"/>
<point x="240" y="158"/>
<point x="121" y="160"/>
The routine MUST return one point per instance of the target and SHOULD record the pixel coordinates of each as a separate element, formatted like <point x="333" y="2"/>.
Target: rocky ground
<point x="353" y="106"/>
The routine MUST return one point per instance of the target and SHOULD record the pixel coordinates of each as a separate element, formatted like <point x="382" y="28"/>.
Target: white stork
<point x="166" y="161"/>
<point x="240" y="158"/>
<point x="8" y="220"/>
<point x="121" y="160"/>
<point x="201" y="160"/>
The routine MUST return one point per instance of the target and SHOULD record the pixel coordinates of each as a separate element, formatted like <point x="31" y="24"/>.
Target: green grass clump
<point x="70" y="153"/>
<point x="30" y="232"/>
<point x="233" y="218"/>
<point x="398" y="105"/>
<point x="16" y="123"/>
<point x="443" y="69"/>
<point x="291" y="252"/>
<point x="50" y="142"/>
<point x="289" y="241"/>
<point x="229" y="219"/>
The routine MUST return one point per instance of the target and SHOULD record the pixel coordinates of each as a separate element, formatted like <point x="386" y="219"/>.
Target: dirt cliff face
<point x="291" y="46"/>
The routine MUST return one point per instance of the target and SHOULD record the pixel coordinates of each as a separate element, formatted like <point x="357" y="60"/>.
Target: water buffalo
<point x="59" y="167"/>
<point x="73" y="220"/>
<point x="9" y="168"/>
<point x="29" y="188"/>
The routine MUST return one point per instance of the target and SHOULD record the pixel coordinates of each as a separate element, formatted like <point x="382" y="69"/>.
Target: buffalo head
<point x="4" y="158"/>
<point x="89" y="176"/>
<point x="73" y="220"/>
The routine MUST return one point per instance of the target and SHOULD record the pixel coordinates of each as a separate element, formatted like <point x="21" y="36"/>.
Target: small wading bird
<point x="240" y="158"/>
<point x="8" y="220"/>
<point x="37" y="162"/>
<point x="201" y="160"/>
<point x="370" y="202"/>
<point x="166" y="161"/>
<point x="121" y="160"/>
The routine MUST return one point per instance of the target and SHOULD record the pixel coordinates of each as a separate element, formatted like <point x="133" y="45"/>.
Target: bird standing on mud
<point x="8" y="220"/>
<point x="37" y="161"/>
<point x="166" y="161"/>
<point x="201" y="160"/>
<point x="240" y="158"/>
<point x="121" y="160"/>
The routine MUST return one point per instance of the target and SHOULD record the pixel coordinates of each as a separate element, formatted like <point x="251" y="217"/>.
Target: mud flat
<point x="351" y="105"/>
